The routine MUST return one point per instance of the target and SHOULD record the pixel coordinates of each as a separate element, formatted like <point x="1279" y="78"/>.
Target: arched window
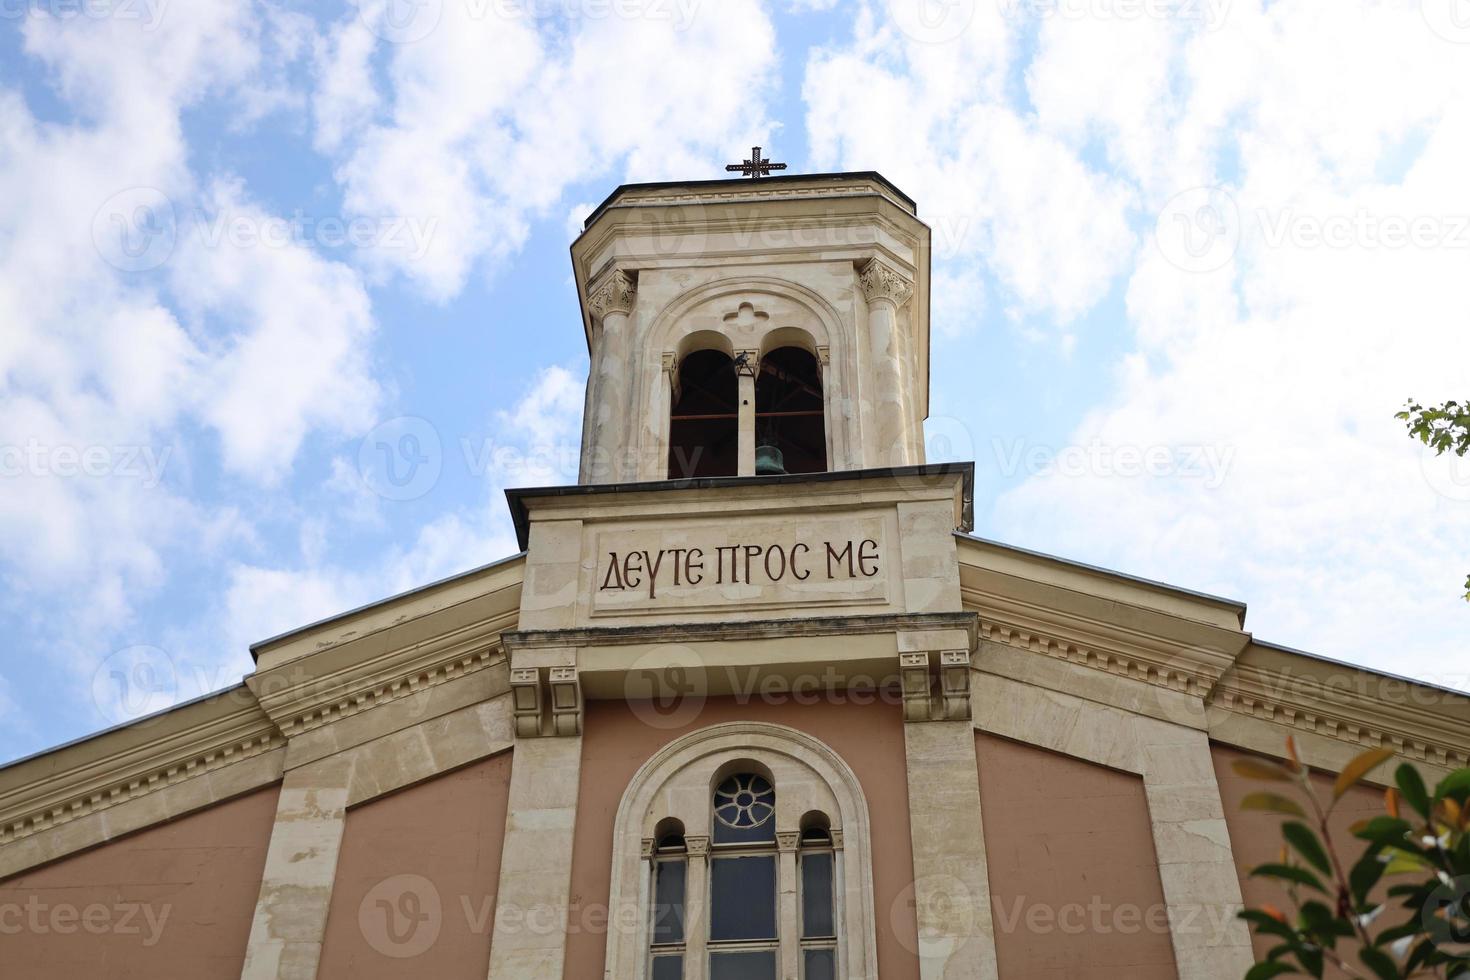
<point x="742" y="853"/>
<point x="670" y="881"/>
<point x="743" y="934"/>
<point x="789" y="413"/>
<point x="704" y="426"/>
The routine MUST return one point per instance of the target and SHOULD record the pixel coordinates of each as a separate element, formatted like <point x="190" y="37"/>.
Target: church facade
<point x="753" y="701"/>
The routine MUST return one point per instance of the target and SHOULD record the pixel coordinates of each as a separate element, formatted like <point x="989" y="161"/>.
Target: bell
<point x="769" y="462"/>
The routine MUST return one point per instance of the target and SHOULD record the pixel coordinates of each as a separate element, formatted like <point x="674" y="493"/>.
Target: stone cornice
<point x="882" y="282"/>
<point x="613" y="294"/>
<point x="727" y="630"/>
<point x="1348" y="704"/>
<point x="303" y="695"/>
<point x="132" y="761"/>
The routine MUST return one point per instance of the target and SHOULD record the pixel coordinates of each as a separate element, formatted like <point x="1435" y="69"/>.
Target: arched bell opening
<point x="790" y="420"/>
<point x="704" y="426"/>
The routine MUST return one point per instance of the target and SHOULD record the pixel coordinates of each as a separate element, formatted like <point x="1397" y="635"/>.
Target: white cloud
<point x="490" y="118"/>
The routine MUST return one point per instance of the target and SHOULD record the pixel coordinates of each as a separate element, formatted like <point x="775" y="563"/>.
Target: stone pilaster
<point x="886" y="289"/>
<point x="747" y="363"/>
<point x="610" y="303"/>
<point x="300" y="867"/>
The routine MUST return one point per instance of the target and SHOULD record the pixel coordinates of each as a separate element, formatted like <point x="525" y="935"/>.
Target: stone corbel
<point x="882" y="282"/>
<point x="913" y="672"/>
<point x="545" y="700"/>
<point x="613" y="293"/>
<point x="930" y="695"/>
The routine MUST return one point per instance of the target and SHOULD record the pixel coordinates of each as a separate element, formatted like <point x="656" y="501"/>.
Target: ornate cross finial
<point x="756" y="166"/>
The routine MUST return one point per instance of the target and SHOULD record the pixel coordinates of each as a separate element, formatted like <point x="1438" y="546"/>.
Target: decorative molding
<point x="882" y="282"/>
<point x="163" y="751"/>
<point x="697" y="846"/>
<point x="731" y="630"/>
<point x="747" y="362"/>
<point x="1334" y="707"/>
<point x="614" y="294"/>
<point x="788" y="840"/>
<point x="301" y="698"/>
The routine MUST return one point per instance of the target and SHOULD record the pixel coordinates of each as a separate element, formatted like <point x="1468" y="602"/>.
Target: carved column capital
<point x="614" y="293"/>
<point x="697" y="846"/>
<point x="882" y="282"/>
<point x="747" y="362"/>
<point x="787" y="840"/>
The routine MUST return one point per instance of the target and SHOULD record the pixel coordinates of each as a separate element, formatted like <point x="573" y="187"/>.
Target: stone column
<point x="951" y="881"/>
<point x="696" y="907"/>
<point x="612" y="380"/>
<point x="830" y="415"/>
<point x="300" y="867"/>
<point x="886" y="289"/>
<point x="789" y="925"/>
<point x="746" y="371"/>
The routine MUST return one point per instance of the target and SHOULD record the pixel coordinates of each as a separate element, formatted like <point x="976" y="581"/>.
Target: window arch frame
<point x="678" y="782"/>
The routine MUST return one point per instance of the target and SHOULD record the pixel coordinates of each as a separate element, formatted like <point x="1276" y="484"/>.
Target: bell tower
<point x="752" y="327"/>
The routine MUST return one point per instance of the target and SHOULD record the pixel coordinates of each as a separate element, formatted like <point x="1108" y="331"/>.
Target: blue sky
<point x="1190" y="258"/>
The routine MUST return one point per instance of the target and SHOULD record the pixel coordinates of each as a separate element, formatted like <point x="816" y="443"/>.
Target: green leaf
<point x="1401" y="861"/>
<point x="1354" y="771"/>
<point x="1264" y="971"/>
<point x="1272" y="803"/>
<point x="1364" y="875"/>
<point x="1310" y="959"/>
<point x="1287" y="872"/>
<point x="1411" y="785"/>
<point x="1384" y="830"/>
<point x="1301" y="837"/>
<point x="1268" y="924"/>
<point x="1455" y="786"/>
<point x="1379" y="962"/>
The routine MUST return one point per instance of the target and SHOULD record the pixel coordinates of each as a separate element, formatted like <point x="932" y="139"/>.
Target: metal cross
<point x="756" y="166"/>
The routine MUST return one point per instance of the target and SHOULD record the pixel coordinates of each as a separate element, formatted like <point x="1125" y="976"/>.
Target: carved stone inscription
<point x="746" y="563"/>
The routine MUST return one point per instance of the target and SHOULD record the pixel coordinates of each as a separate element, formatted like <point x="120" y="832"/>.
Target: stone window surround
<point x="677" y="782"/>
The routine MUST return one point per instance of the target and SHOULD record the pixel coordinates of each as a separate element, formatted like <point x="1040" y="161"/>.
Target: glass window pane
<point x="668" y="902"/>
<point x="816" y="896"/>
<point x="742" y="898"/>
<point x="821" y="964"/>
<point x="760" y="965"/>
<point x="745" y="810"/>
<point x="668" y="968"/>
